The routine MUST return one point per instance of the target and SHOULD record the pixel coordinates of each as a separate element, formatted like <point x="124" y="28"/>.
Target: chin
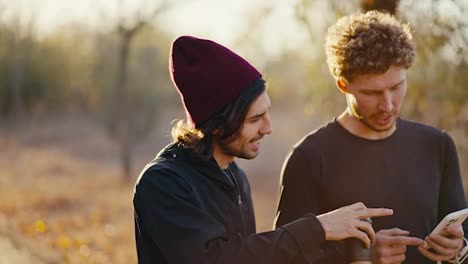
<point x="250" y="155"/>
<point x="379" y="128"/>
<point x="383" y="128"/>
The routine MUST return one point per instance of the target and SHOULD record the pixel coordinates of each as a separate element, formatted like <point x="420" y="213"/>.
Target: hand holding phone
<point x="453" y="219"/>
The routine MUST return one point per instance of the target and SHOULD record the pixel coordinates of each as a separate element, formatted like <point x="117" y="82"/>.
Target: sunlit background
<point x="86" y="101"/>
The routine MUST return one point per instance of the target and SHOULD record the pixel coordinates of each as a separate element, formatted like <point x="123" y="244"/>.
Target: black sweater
<point x="415" y="171"/>
<point x="188" y="210"/>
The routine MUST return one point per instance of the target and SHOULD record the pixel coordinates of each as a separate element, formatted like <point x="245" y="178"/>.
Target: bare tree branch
<point x="301" y="15"/>
<point x="127" y="28"/>
<point x="252" y="23"/>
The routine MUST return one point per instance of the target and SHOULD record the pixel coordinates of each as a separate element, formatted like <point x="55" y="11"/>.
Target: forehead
<point x="394" y="75"/>
<point x="260" y="105"/>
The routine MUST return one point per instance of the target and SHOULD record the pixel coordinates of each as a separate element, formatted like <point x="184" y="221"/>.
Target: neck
<point x="358" y="128"/>
<point x="221" y="158"/>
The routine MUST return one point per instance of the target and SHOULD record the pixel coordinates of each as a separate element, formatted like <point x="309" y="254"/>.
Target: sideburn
<point x="353" y="108"/>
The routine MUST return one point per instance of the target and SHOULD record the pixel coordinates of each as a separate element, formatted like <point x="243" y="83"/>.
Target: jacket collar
<point x="208" y="167"/>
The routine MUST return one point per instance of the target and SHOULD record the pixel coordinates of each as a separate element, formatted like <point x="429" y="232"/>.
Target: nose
<point x="385" y="103"/>
<point x="266" y="128"/>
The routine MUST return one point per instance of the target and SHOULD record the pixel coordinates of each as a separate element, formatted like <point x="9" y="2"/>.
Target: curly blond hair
<point x="366" y="44"/>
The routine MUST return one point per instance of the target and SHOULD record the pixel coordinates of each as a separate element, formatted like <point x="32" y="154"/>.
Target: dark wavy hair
<point x="228" y="123"/>
<point x="366" y="44"/>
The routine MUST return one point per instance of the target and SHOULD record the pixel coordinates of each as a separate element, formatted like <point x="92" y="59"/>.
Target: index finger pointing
<point x="374" y="212"/>
<point x="400" y="240"/>
<point x="410" y="241"/>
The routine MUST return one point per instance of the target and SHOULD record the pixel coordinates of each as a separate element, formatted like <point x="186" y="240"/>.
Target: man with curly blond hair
<point x="370" y="154"/>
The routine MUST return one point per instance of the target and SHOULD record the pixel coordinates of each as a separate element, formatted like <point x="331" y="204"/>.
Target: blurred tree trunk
<point x="20" y="50"/>
<point x="21" y="45"/>
<point x="380" y="5"/>
<point x="16" y="79"/>
<point x="126" y="36"/>
<point x="125" y="133"/>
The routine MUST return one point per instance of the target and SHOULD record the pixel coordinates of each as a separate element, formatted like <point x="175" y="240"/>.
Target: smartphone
<point x="453" y="219"/>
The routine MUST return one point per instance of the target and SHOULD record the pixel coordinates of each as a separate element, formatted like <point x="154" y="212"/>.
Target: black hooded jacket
<point x="189" y="210"/>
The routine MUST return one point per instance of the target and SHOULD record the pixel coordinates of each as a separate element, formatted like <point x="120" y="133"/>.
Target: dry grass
<point x="62" y="197"/>
<point x="63" y="208"/>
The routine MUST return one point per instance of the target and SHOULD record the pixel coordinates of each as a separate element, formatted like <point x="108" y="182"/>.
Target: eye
<point x="370" y="92"/>
<point x="255" y="119"/>
<point x="394" y="88"/>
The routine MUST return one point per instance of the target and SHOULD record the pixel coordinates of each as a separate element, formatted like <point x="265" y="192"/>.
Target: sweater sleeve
<point x="300" y="189"/>
<point x="452" y="197"/>
<point x="300" y="194"/>
<point x="185" y="233"/>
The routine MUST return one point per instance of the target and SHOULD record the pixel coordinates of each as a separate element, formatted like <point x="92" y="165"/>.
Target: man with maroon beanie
<point x="193" y="203"/>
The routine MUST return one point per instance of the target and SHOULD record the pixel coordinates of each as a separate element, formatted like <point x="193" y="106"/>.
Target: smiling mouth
<point x="255" y="140"/>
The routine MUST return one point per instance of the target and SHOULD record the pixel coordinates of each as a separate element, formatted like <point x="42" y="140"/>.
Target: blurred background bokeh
<point x="86" y="101"/>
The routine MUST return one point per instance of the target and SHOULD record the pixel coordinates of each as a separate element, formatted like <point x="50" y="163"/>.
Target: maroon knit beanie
<point x="208" y="76"/>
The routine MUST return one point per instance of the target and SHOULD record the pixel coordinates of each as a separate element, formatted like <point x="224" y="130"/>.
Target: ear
<point x="342" y="85"/>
